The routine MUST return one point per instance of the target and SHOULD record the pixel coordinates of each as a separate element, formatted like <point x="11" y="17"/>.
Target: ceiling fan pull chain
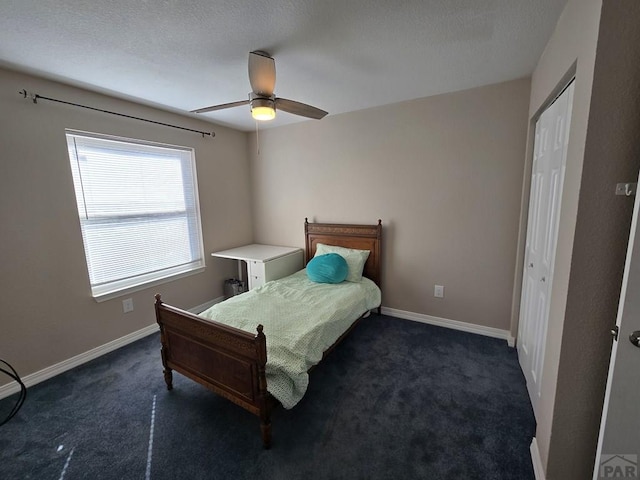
<point x="257" y="139"/>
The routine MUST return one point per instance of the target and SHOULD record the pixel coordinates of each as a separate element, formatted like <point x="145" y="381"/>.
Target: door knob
<point x="635" y="338"/>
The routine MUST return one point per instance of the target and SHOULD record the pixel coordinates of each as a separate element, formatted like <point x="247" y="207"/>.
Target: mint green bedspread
<point x="301" y="320"/>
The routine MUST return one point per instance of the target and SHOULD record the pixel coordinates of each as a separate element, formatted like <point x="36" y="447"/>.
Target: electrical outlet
<point x="438" y="291"/>
<point x="127" y="305"/>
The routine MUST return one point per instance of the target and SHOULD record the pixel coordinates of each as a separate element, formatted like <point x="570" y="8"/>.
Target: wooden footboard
<point x="226" y="360"/>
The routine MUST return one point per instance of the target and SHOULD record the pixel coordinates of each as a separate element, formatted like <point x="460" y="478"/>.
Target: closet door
<point x="547" y="177"/>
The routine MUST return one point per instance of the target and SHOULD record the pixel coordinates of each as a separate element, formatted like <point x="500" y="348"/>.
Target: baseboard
<point x="453" y="324"/>
<point x="58" y="368"/>
<point x="511" y="340"/>
<point x="49" y="372"/>
<point x="538" y="469"/>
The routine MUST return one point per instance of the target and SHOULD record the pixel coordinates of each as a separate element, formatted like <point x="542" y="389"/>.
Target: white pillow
<point x="355" y="259"/>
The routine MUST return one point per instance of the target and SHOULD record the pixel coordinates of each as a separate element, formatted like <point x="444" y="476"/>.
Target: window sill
<point x="102" y="297"/>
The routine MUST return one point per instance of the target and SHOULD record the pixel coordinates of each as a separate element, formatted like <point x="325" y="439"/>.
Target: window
<point x="138" y="209"/>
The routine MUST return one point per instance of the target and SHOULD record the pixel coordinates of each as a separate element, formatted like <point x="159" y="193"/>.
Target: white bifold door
<point x="547" y="177"/>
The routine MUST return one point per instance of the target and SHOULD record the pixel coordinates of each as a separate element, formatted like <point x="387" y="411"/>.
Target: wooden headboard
<point x="361" y="237"/>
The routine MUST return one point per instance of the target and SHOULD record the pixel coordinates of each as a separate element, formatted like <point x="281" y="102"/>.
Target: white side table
<point x="264" y="262"/>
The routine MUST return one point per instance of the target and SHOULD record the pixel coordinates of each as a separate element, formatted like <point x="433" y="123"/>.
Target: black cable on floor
<point x="23" y="391"/>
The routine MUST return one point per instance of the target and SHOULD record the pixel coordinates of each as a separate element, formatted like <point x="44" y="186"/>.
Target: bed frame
<point x="231" y="362"/>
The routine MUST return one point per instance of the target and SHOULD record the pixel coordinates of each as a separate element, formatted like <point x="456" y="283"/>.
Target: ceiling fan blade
<point x="221" y="106"/>
<point x="298" y="108"/>
<point x="262" y="73"/>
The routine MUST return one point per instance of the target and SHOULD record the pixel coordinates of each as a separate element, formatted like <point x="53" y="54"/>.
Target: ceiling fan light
<point x="263" y="109"/>
<point x="263" y="113"/>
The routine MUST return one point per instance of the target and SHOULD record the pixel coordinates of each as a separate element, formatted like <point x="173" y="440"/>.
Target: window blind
<point x="138" y="210"/>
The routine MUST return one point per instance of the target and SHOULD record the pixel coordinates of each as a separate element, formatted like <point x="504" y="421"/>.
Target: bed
<point x="232" y="361"/>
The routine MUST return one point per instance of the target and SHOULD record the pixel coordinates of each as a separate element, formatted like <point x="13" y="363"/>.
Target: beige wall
<point x="443" y="173"/>
<point x="594" y="223"/>
<point x="48" y="314"/>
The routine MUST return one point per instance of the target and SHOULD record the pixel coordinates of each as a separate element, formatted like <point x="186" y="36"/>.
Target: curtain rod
<point x="35" y="97"/>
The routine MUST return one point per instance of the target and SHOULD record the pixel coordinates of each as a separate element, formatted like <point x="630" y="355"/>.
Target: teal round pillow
<point x="329" y="268"/>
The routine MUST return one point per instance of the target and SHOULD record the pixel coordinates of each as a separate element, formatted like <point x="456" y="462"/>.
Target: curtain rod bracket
<point x="32" y="96"/>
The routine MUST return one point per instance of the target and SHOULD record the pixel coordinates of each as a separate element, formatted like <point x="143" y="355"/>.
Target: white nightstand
<point x="264" y="262"/>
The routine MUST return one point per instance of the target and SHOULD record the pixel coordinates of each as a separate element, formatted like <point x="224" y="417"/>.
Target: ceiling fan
<point x="264" y="103"/>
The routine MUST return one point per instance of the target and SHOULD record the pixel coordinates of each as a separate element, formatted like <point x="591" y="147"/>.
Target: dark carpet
<point x="396" y="400"/>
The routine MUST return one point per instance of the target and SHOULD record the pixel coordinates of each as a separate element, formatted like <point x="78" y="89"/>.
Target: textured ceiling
<point x="338" y="55"/>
